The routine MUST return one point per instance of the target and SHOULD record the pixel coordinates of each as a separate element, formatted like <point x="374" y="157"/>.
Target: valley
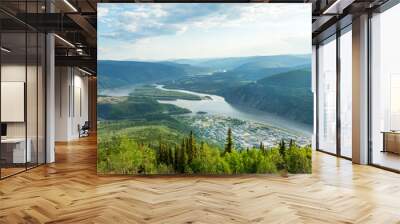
<point x="208" y="116"/>
<point x="166" y="109"/>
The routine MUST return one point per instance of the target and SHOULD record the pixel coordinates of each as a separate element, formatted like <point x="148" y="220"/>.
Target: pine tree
<point x="282" y="148"/>
<point x="170" y="156"/>
<point x="229" y="142"/>
<point x="184" y="161"/>
<point x="191" y="147"/>
<point x="187" y="147"/>
<point x="180" y="161"/>
<point x="159" y="154"/>
<point x="201" y="148"/>
<point x="262" y="147"/>
<point x="176" y="158"/>
<point x="282" y="151"/>
<point x="182" y="157"/>
<point x="291" y="144"/>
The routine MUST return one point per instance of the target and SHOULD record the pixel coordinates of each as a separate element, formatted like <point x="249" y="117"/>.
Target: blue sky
<point x="149" y="31"/>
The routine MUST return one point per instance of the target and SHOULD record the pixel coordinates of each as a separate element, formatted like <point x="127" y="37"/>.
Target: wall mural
<point x="204" y="88"/>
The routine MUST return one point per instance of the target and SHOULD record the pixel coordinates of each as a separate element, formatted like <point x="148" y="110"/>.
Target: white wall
<point x="71" y="102"/>
<point x="12" y="73"/>
<point x="81" y="84"/>
<point x="62" y="82"/>
<point x="33" y="126"/>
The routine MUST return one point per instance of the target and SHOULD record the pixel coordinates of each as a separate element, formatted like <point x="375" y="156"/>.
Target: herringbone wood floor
<point x="69" y="191"/>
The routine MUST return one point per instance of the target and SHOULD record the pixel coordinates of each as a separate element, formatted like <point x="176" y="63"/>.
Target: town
<point x="246" y="134"/>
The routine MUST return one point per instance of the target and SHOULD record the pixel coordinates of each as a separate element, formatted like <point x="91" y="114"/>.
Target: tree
<point x="170" y="155"/>
<point x="191" y="147"/>
<point x="282" y="148"/>
<point x="180" y="158"/>
<point x="229" y="142"/>
<point x="184" y="161"/>
<point x="291" y="144"/>
<point x="282" y="152"/>
<point x="160" y="154"/>
<point x="176" y="158"/>
<point x="201" y="148"/>
<point x="262" y="147"/>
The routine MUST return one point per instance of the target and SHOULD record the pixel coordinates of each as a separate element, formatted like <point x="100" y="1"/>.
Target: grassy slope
<point x="141" y="117"/>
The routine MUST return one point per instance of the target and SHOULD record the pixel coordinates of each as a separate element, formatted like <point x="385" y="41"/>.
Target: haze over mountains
<point x="274" y="61"/>
<point x="278" y="84"/>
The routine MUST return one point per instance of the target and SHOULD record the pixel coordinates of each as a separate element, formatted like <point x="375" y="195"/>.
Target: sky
<point x="168" y="31"/>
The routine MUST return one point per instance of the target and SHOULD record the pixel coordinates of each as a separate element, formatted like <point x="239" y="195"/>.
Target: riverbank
<point x="217" y="105"/>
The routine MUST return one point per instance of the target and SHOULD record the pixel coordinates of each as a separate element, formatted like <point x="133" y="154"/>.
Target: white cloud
<point x="158" y="11"/>
<point x="181" y="29"/>
<point x="164" y="31"/>
<point x="102" y="12"/>
<point x="248" y="14"/>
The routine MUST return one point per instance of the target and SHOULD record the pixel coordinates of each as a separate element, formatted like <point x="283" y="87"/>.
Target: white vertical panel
<point x="50" y="103"/>
<point x="12" y="101"/>
<point x="395" y="102"/>
<point x="346" y="94"/>
<point x="327" y="96"/>
<point x="314" y="91"/>
<point x="360" y="90"/>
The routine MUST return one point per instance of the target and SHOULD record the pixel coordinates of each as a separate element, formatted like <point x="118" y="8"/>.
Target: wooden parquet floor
<point x="69" y="191"/>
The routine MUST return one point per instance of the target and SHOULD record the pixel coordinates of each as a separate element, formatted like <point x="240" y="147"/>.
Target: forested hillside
<point x="114" y="74"/>
<point x="287" y="94"/>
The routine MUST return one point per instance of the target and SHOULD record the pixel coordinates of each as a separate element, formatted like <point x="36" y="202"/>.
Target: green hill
<point x="138" y="108"/>
<point x="114" y="74"/>
<point x="287" y="94"/>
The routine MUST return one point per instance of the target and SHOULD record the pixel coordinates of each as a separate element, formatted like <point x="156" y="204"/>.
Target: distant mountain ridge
<point x="113" y="74"/>
<point x="279" y="84"/>
<point x="189" y="69"/>
<point x="252" y="72"/>
<point x="271" y="61"/>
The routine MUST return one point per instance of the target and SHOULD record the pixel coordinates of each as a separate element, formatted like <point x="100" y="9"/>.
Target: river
<point x="218" y="106"/>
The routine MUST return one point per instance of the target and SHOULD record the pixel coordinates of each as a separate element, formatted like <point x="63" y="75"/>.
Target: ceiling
<point x="75" y="22"/>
